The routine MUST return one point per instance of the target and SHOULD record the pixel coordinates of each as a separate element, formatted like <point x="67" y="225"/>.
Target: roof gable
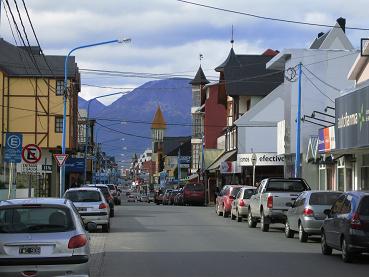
<point x="158" y="121"/>
<point x="334" y="39"/>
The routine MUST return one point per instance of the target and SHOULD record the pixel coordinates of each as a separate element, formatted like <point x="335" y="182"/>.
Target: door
<point x="293" y="213"/>
<point x="331" y="223"/>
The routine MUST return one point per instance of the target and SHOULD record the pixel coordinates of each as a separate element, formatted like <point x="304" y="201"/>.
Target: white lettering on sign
<point x="262" y="159"/>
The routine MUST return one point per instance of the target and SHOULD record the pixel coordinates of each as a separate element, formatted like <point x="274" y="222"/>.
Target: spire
<point x="230" y="59"/>
<point x="200" y="78"/>
<point x="158" y="122"/>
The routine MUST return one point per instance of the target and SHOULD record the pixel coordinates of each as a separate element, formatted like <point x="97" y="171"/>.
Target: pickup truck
<point x="270" y="203"/>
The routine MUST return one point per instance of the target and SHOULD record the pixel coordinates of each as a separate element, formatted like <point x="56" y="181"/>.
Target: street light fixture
<point x="62" y="168"/>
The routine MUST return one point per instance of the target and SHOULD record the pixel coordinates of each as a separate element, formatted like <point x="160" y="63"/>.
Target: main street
<point x="150" y="240"/>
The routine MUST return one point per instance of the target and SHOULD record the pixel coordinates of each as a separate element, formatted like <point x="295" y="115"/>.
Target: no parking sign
<point x="31" y="153"/>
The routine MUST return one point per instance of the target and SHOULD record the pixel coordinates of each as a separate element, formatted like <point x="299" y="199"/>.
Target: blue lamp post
<point x="62" y="168"/>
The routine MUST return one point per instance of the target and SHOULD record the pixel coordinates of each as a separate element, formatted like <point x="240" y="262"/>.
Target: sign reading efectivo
<point x="262" y="159"/>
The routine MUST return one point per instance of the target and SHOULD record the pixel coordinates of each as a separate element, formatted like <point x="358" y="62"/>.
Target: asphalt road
<point x="151" y="240"/>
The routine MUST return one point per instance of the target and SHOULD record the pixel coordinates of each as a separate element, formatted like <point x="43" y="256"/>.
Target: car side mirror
<point x="327" y="212"/>
<point x="91" y="227"/>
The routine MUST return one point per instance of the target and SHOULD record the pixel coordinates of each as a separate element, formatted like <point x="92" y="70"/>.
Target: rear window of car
<point x="323" y="198"/>
<point x="83" y="196"/>
<point x="364" y="206"/>
<point x="35" y="220"/>
<point x="195" y="187"/>
<point x="286" y="186"/>
<point x="104" y="190"/>
<point x="235" y="191"/>
<point x="248" y="193"/>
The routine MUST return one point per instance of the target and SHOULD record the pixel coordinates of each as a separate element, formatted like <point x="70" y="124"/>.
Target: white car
<point x="91" y="205"/>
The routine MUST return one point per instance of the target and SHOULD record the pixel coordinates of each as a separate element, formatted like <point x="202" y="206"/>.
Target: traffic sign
<point x="60" y="158"/>
<point x="31" y="153"/>
<point x="13" y="147"/>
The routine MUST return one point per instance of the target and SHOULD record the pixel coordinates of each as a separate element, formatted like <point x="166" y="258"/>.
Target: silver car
<point x="240" y="205"/>
<point x="43" y="237"/>
<point x="91" y="205"/>
<point x="306" y="214"/>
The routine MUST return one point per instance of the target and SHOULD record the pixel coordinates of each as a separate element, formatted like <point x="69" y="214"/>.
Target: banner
<point x="327" y="140"/>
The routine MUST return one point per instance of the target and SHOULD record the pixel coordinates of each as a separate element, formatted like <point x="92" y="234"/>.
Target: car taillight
<point x="355" y="222"/>
<point x="241" y="203"/>
<point x="308" y="212"/>
<point x="270" y="202"/>
<point x="29" y="273"/>
<point x="103" y="206"/>
<point x="77" y="241"/>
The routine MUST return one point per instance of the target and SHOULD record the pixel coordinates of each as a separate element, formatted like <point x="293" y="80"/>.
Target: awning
<point x="225" y="157"/>
<point x="192" y="177"/>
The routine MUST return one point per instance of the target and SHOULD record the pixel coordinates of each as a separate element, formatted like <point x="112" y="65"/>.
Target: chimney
<point x="342" y="22"/>
<point x="320" y="34"/>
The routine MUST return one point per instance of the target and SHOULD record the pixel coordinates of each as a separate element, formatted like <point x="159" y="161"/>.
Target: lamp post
<point x="62" y="168"/>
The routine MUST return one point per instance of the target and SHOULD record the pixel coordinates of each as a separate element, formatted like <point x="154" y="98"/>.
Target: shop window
<point x="365" y="178"/>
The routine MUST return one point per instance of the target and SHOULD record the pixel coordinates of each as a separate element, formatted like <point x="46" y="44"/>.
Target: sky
<point x="168" y="36"/>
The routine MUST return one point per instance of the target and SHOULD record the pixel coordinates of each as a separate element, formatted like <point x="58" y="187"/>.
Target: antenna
<point x="232" y="40"/>
<point x="201" y="56"/>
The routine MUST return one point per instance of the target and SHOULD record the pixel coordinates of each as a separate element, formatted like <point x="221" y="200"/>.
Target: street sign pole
<point x="253" y="160"/>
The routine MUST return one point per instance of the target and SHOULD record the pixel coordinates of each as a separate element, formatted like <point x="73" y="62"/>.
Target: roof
<point x="241" y="74"/>
<point x="30" y="201"/>
<point x="158" y="121"/>
<point x="360" y="63"/>
<point x="171" y="143"/>
<point x="18" y="61"/>
<point x="318" y="41"/>
<point x="225" y="157"/>
<point x="200" y="78"/>
<point x="185" y="149"/>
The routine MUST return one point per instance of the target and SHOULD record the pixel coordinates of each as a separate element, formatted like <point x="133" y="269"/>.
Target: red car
<point x="193" y="194"/>
<point x="225" y="198"/>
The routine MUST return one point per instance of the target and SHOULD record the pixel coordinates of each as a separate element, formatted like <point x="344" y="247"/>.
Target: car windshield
<point x="323" y="198"/>
<point x="286" y="186"/>
<point x="83" y="196"/>
<point x="195" y="187"/>
<point x="364" y="206"/>
<point x="35" y="220"/>
<point x="248" y="193"/>
<point x="235" y="191"/>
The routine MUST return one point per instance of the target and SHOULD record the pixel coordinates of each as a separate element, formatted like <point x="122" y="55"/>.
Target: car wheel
<point x="347" y="255"/>
<point x="326" y="250"/>
<point x="303" y="236"/>
<point x="225" y="215"/>
<point x="263" y="226"/>
<point x="287" y="231"/>
<point x="251" y="221"/>
<point x="233" y="217"/>
<point x="106" y="228"/>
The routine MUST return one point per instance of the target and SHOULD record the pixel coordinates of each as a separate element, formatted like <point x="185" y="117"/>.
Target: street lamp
<point x="62" y="168"/>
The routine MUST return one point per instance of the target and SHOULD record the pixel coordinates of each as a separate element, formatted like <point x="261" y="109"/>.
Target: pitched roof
<point x="242" y="75"/>
<point x="200" y="78"/>
<point x="18" y="61"/>
<point x="158" y="121"/>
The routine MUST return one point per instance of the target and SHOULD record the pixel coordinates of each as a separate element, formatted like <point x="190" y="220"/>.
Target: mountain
<point x="95" y="106"/>
<point x="127" y="121"/>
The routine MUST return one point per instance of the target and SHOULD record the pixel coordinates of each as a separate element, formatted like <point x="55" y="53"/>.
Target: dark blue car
<point x="346" y="227"/>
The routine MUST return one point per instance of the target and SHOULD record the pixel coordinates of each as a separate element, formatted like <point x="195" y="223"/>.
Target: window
<point x="59" y="87"/>
<point x="346" y="207"/>
<point x="323" y="198"/>
<point x="248" y="193"/>
<point x="336" y="209"/>
<point x="58" y="124"/>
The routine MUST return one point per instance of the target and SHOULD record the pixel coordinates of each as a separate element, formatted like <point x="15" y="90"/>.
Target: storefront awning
<point x="225" y="157"/>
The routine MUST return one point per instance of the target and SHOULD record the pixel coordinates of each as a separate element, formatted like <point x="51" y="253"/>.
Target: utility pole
<point x="298" y="126"/>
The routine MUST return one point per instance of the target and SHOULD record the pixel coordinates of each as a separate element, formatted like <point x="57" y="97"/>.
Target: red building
<point x="215" y="118"/>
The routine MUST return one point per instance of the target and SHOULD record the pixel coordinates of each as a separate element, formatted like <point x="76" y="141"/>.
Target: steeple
<point x="158" y="122"/>
<point x="200" y="78"/>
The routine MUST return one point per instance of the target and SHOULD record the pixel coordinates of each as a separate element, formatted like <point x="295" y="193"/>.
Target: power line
<point x="269" y="18"/>
<point x="324" y="94"/>
<point x="324" y="82"/>
<point x="120" y="132"/>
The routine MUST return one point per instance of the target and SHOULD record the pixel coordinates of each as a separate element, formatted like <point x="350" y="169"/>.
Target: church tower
<point x="158" y="127"/>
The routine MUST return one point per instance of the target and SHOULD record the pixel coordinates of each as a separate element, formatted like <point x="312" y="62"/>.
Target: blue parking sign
<point x="13" y="147"/>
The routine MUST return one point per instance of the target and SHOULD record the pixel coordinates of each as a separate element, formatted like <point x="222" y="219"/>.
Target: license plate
<point x="30" y="250"/>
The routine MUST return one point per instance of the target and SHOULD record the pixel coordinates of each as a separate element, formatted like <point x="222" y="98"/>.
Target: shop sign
<point x="262" y="159"/>
<point x="229" y="167"/>
<point x="76" y="165"/>
<point x="27" y="168"/>
<point x="327" y="140"/>
<point x="352" y="119"/>
<point x="185" y="159"/>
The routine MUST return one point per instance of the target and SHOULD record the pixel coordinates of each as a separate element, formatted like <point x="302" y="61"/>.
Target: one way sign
<point x="60" y="158"/>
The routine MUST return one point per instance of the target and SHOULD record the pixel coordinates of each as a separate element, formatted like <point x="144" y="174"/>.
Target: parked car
<point x="151" y="197"/>
<point x="306" y="214"/>
<point x="128" y="193"/>
<point x="346" y="227"/>
<point x="172" y="195"/>
<point x="194" y="194"/>
<point x="144" y="198"/>
<point x="131" y="198"/>
<point x="114" y="192"/>
<point x="43" y="237"/>
<point x="178" y="199"/>
<point x="240" y="205"/>
<point x="269" y="204"/>
<point x="158" y="199"/>
<point x="166" y="196"/>
<point x="225" y="198"/>
<point x="91" y="205"/>
<point x="106" y="192"/>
